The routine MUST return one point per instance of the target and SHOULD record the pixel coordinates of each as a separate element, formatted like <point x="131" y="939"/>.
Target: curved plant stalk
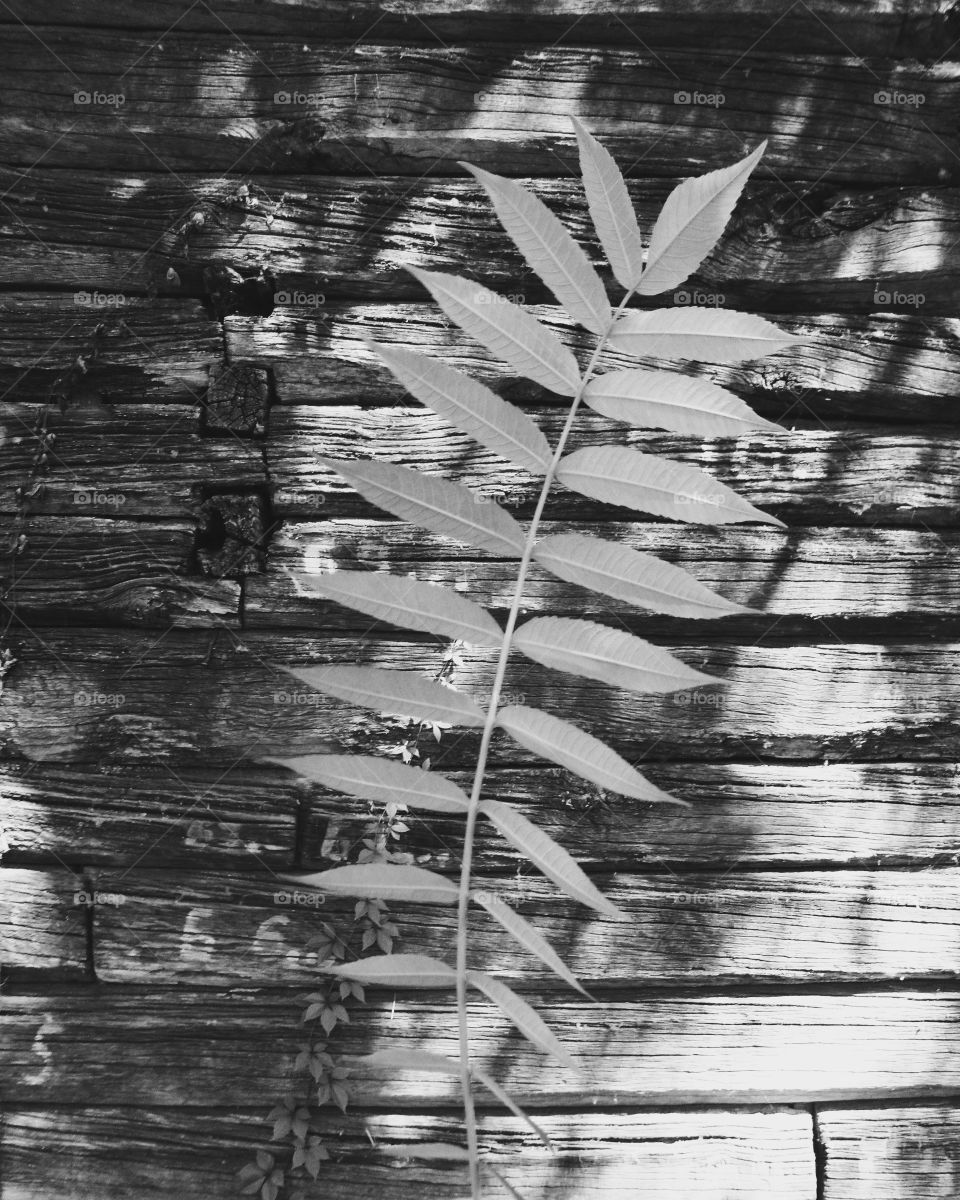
<point x="463" y="901"/>
<point x="689" y="225"/>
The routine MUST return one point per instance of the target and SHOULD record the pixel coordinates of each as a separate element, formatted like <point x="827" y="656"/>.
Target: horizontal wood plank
<point x="884" y="1153"/>
<point x="127" y="460"/>
<point x="833" y="248"/>
<point x="135" y="1046"/>
<point x="93" y="570"/>
<point x="877" y="368"/>
<point x="88" y="695"/>
<point x="707" y="930"/>
<point x="43" y="925"/>
<point x="851" y="476"/>
<point x="863" y="578"/>
<point x="99" y="1153"/>
<point x="307" y="105"/>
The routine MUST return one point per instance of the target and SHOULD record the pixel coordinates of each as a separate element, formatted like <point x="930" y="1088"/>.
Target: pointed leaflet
<point x="609" y="655"/>
<point x="691" y="222"/>
<point x="405" y="602"/>
<point x="527" y="936"/>
<point x="617" y="475"/>
<point x="442" y="507"/>
<point x="399" y="692"/>
<point x="630" y="575"/>
<point x="611" y="209"/>
<point x="549" y="249"/>
<point x="382" y="881"/>
<point x="471" y="407"/>
<point x="702" y="334"/>
<point x="381" y="780"/>
<point x="560" y="742"/>
<point x="508" y="331"/>
<point x="665" y="400"/>
<point x="551" y="858"/>
<point x="428" y="1151"/>
<point x="422" y="1060"/>
<point x="397" y="970"/>
<point x="530" y="1024"/>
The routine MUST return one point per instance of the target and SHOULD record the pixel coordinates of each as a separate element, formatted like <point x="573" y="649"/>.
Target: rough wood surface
<point x="165" y="815"/>
<point x="890" y="1152"/>
<point x="329" y="238"/>
<point x="43" y="925"/>
<point x="126" y="696"/>
<point x="853" y="475"/>
<point x="906" y="28"/>
<point x="867" y="577"/>
<point x="125" y="460"/>
<point x="132" y="349"/>
<point x="706" y="929"/>
<point x="896" y="367"/>
<point x="409" y="109"/>
<point x="94" y="570"/>
<point x="174" y="1046"/>
<point x="99" y="1153"/>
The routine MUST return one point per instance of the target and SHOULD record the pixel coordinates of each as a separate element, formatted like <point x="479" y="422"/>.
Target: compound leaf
<point x="610" y="208"/>
<point x="393" y="692"/>
<point x="691" y="222"/>
<point x="442" y="507"/>
<point x="406" y="602"/>
<point x="619" y="475"/>
<point x="560" y="742"/>
<point x="608" y="655"/>
<point x="549" y="249"/>
<point x="549" y="856"/>
<point x="665" y="400"/>
<point x="471" y="407"/>
<point x="508" y="331"/>
<point x="381" y="780"/>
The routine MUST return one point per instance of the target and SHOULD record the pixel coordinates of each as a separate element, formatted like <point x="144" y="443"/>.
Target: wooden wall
<point x="189" y="258"/>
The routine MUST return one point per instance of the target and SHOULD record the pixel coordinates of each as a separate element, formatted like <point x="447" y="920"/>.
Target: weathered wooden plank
<point x="100" y="1153"/>
<point x="329" y="238"/>
<point x="849" y="476"/>
<point x="900" y="368"/>
<point x="169" y="1046"/>
<point x="837" y="26"/>
<point x="244" y="818"/>
<point x="132" y="348"/>
<point x="94" y="570"/>
<point x="127" y="460"/>
<point x="836" y="814"/>
<point x="88" y="695"/>
<point x="863" y="577"/>
<point x="43" y="925"/>
<point x="889" y="1152"/>
<point x="306" y="104"/>
<point x="705" y="929"/>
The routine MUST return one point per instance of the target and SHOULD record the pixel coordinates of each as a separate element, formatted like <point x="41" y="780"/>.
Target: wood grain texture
<point x="208" y="102"/>
<point x="867" y="578"/>
<point x="160" y="1047"/>
<point x="808" y="476"/>
<point x="94" y="570"/>
<point x="99" y="1153"/>
<point x="133" y="349"/>
<point x="706" y="930"/>
<point x="43" y="925"/>
<point x="836" y="248"/>
<point x="838" y="26"/>
<point x="887" y="1152"/>
<point x="877" y="368"/>
<point x="166" y="815"/>
<point x="87" y="695"/>
<point x="126" y="460"/>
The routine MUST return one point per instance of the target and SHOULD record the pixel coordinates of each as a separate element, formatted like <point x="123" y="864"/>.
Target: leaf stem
<point x="463" y="905"/>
